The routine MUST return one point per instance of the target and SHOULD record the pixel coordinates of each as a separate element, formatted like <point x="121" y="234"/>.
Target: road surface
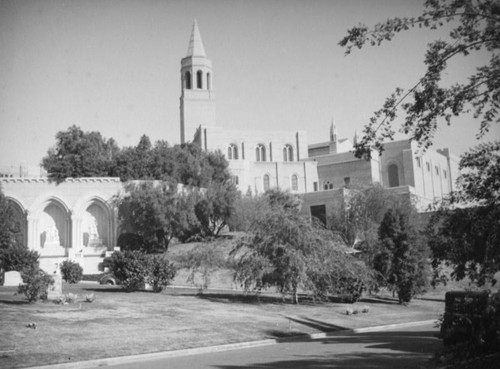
<point x="399" y="348"/>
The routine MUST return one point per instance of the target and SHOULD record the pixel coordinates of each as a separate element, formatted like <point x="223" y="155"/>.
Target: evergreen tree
<point x="402" y="260"/>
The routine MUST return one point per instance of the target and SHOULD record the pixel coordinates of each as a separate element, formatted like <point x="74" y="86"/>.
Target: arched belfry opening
<point x="187" y="80"/>
<point x="199" y="79"/>
<point x="209" y="81"/>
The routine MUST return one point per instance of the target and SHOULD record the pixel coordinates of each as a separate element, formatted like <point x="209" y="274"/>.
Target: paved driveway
<point x="399" y="348"/>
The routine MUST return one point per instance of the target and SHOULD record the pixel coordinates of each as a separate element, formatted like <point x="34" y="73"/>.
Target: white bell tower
<point x="197" y="102"/>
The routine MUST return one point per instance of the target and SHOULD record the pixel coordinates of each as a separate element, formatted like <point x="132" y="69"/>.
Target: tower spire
<point x="333" y="131"/>
<point x="195" y="47"/>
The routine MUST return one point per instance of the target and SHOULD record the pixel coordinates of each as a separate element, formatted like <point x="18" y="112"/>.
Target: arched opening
<point x="232" y="152"/>
<point x="95" y="226"/>
<point x="260" y="153"/>
<point x="288" y="153"/>
<point x="209" y="81"/>
<point x="199" y="79"/>
<point x="187" y="79"/>
<point x="53" y="229"/>
<point x="20" y="226"/>
<point x="393" y="175"/>
<point x="295" y="183"/>
<point x="266" y="182"/>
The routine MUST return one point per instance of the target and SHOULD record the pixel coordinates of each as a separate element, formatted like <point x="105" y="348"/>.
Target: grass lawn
<point x="120" y="323"/>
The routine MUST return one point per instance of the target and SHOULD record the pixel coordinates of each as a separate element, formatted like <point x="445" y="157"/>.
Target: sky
<point x="113" y="66"/>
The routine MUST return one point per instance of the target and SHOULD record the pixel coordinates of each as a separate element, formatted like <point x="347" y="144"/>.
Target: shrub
<point x="36" y="284"/>
<point x="349" y="311"/>
<point x="365" y="309"/>
<point x="130" y="268"/>
<point x="71" y="272"/>
<point x="159" y="272"/>
<point x="90" y="297"/>
<point x="18" y="258"/>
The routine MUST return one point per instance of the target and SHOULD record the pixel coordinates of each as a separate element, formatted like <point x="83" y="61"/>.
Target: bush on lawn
<point x="18" y="258"/>
<point x="130" y="268"/>
<point x="71" y="272"/>
<point x="36" y="284"/>
<point x="160" y="272"/>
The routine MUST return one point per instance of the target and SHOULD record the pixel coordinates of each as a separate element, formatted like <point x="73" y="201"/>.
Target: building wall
<point x="248" y="173"/>
<point x="333" y="170"/>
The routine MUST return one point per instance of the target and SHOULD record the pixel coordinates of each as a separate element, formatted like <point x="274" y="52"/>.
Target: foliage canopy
<point x="475" y="29"/>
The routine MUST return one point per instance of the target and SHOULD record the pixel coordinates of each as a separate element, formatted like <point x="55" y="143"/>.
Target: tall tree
<point x="402" y="260"/>
<point x="466" y="238"/>
<point x="215" y="207"/>
<point x="285" y="250"/>
<point x="475" y="30"/>
<point x="148" y="210"/>
<point x="7" y="224"/>
<point x="79" y="154"/>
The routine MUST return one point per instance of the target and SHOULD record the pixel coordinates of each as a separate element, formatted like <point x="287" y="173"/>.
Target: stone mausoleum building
<point x="77" y="219"/>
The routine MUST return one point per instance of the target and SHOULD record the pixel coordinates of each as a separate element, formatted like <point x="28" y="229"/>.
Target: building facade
<point x="74" y="220"/>
<point x="401" y="168"/>
<point x="258" y="160"/>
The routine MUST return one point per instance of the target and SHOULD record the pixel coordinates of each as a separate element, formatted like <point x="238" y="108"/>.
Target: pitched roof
<point x="195" y="47"/>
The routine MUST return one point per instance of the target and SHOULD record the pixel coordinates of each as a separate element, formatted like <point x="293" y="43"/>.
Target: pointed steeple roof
<point x="333" y="131"/>
<point x="195" y="47"/>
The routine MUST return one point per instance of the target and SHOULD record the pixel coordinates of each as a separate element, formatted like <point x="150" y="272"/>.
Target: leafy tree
<point x="8" y="229"/>
<point x="466" y="238"/>
<point x="247" y="209"/>
<point x="79" y="154"/>
<point x="475" y="29"/>
<point x="359" y="216"/>
<point x="18" y="258"/>
<point x="402" y="260"/>
<point x="479" y="181"/>
<point x="148" y="210"/>
<point x="215" y="207"/>
<point x="286" y="251"/>
<point x="185" y="224"/>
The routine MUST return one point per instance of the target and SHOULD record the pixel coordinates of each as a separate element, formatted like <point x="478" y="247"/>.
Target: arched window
<point x="187" y="78"/>
<point x="209" y="81"/>
<point x="288" y="153"/>
<point x="232" y="152"/>
<point x="199" y="79"/>
<point x="393" y="175"/>
<point x="260" y="153"/>
<point x="266" y="182"/>
<point x="295" y="183"/>
<point x="328" y="185"/>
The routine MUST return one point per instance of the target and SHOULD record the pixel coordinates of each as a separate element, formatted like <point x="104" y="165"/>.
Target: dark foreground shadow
<point x="377" y="350"/>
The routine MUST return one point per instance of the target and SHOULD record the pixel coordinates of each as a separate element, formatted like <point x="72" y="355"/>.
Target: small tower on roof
<point x="197" y="101"/>
<point x="333" y="138"/>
